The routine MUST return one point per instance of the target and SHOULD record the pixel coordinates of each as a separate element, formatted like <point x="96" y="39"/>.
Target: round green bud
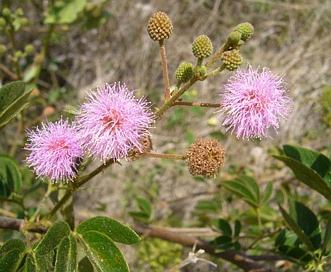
<point x="234" y="38"/>
<point x="3" y="48"/>
<point x="24" y="21"/>
<point x="246" y="30"/>
<point x="203" y="70"/>
<point x="28" y="48"/>
<point x="18" y="54"/>
<point x="19" y="12"/>
<point x="184" y="72"/>
<point x="159" y="26"/>
<point x="2" y="21"/>
<point x="202" y="47"/>
<point x="6" y="12"/>
<point x="232" y="59"/>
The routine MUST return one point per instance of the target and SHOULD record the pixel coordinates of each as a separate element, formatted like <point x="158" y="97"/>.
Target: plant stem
<point x="76" y="184"/>
<point x="164" y="156"/>
<point x="168" y="103"/>
<point x="217" y="55"/>
<point x="164" y="69"/>
<point x="196" y="104"/>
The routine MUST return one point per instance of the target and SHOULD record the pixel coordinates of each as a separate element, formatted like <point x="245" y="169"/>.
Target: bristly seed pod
<point x="184" y="72"/>
<point x="202" y="47"/>
<point x="232" y="59"/>
<point x="205" y="157"/>
<point x="159" y="26"/>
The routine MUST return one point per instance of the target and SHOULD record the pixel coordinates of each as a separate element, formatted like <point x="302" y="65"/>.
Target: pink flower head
<point x="55" y="151"/>
<point x="112" y="120"/>
<point x="254" y="101"/>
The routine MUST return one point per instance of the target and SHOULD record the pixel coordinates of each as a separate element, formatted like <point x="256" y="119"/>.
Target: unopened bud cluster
<point x="205" y="157"/>
<point x="159" y="26"/>
<point x="184" y="72"/>
<point x="232" y="59"/>
<point x="202" y="47"/>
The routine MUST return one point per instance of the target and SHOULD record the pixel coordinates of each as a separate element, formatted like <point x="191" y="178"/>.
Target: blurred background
<point x="92" y="42"/>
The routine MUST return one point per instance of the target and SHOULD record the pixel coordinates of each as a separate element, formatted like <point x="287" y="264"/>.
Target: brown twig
<point x="20" y="225"/>
<point x="242" y="260"/>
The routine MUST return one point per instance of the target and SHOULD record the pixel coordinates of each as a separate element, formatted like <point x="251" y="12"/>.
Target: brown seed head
<point x="205" y="157"/>
<point x="159" y="26"/>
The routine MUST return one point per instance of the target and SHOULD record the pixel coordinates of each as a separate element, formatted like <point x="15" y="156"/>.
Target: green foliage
<point x="156" y="254"/>
<point x="310" y="167"/>
<point x="97" y="236"/>
<point x="115" y="230"/>
<point x="13" y="99"/>
<point x="248" y="190"/>
<point x="325" y="103"/>
<point x="64" y="12"/>
<point x="11" y="254"/>
<point x="145" y="213"/>
<point x="304" y="244"/>
<point x="228" y="239"/>
<point x="10" y="175"/>
<point x="66" y="257"/>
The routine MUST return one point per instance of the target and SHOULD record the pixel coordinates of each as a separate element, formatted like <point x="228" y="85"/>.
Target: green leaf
<point x="314" y="160"/>
<point x="294" y="252"/>
<point x="66" y="257"/>
<point x="10" y="245"/>
<point x="113" y="229"/>
<point x="144" y="205"/>
<point x="14" y="108"/>
<point x="5" y="191"/>
<point x="66" y="12"/>
<point x="10" y="173"/>
<point x="9" y="93"/>
<point x="307" y="175"/>
<point x="31" y="265"/>
<point x="102" y="252"/>
<point x="140" y="216"/>
<point x="307" y="221"/>
<point x="53" y="237"/>
<point x="11" y="260"/>
<point x="220" y="240"/>
<point x="237" y="228"/>
<point x="223" y="225"/>
<point x="244" y="187"/>
<point x="267" y="193"/>
<point x="326" y="247"/>
<point x="296" y="228"/>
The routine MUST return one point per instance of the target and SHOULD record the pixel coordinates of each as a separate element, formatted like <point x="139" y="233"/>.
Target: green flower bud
<point x="2" y="21"/>
<point x="184" y="72"/>
<point x="246" y="30"/>
<point x="3" y="48"/>
<point x="234" y="38"/>
<point x="203" y="70"/>
<point x="18" y="54"/>
<point x="28" y="48"/>
<point x="19" y="12"/>
<point x="232" y="59"/>
<point x="24" y="21"/>
<point x="6" y="12"/>
<point x="159" y="26"/>
<point x="202" y="47"/>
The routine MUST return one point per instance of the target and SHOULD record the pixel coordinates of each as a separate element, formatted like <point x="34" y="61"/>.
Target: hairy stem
<point x="165" y="69"/>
